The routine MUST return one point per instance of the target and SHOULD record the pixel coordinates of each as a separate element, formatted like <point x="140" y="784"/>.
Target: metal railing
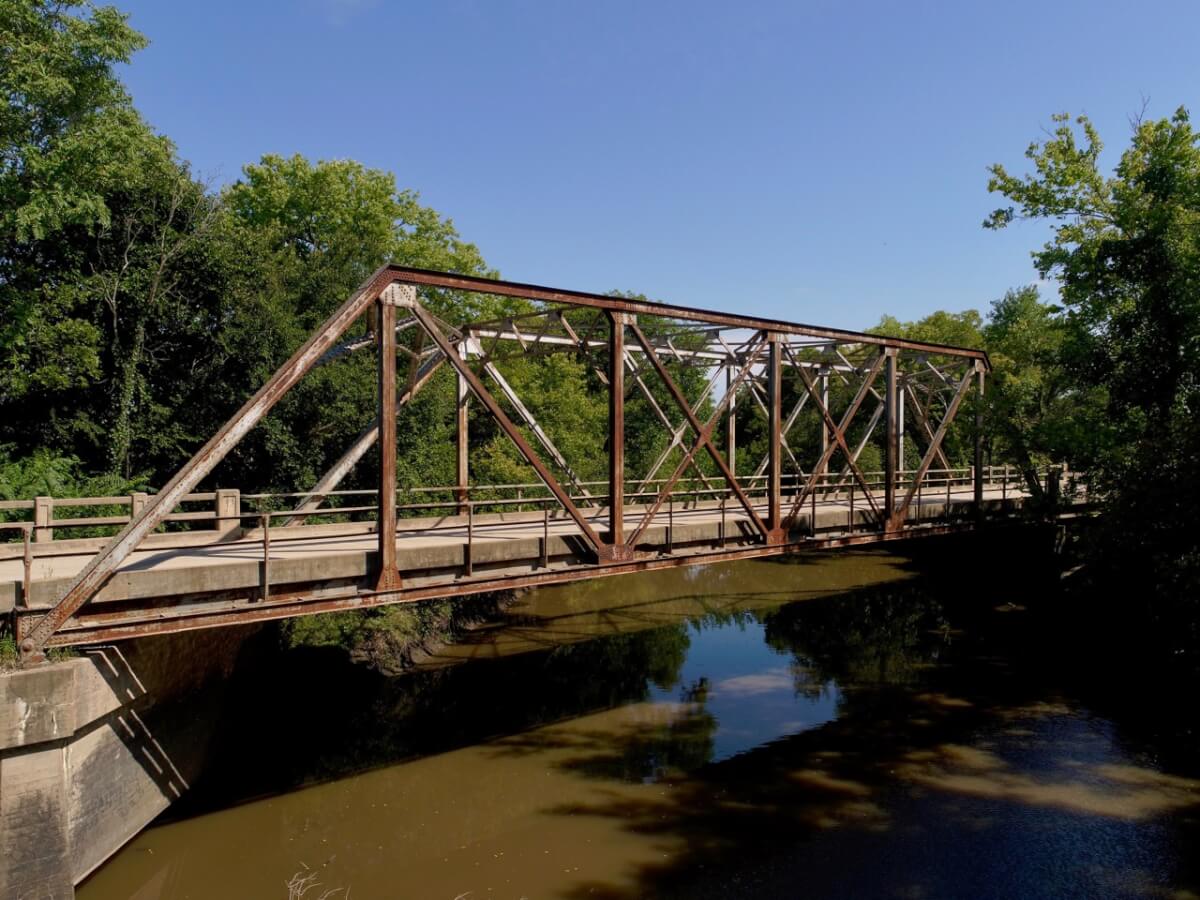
<point x="227" y="511"/>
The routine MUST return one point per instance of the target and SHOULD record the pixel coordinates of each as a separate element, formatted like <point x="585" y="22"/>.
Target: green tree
<point x="99" y="222"/>
<point x="1038" y="411"/>
<point x="67" y="134"/>
<point x="1125" y="251"/>
<point x="318" y="230"/>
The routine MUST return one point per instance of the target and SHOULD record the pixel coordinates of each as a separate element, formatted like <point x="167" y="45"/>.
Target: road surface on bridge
<point x="426" y="555"/>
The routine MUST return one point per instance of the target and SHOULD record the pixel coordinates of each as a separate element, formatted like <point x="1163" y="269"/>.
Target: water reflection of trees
<point x="314" y="716"/>
<point x="878" y="636"/>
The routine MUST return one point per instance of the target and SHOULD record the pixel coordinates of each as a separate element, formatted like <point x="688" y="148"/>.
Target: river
<point x="868" y="723"/>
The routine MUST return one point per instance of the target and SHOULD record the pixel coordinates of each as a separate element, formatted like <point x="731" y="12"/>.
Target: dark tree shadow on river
<point x="949" y="772"/>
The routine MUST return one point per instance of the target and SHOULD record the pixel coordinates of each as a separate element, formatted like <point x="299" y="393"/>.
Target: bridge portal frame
<point x="815" y="355"/>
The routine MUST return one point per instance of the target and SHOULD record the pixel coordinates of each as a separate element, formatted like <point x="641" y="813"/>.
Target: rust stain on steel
<point x="642" y="307"/>
<point x="616" y="430"/>
<point x="388" y="576"/>
<point x="775" y="532"/>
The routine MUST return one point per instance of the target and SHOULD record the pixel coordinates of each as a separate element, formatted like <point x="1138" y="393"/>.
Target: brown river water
<point x="869" y="723"/>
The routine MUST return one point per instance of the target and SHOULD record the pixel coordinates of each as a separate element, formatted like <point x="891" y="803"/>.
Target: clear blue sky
<point x="814" y="161"/>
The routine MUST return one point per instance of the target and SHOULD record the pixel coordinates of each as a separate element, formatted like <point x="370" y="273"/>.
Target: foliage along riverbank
<point x="390" y="639"/>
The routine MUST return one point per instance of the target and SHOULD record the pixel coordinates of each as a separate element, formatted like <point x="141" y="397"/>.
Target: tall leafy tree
<point x="98" y="219"/>
<point x="318" y="230"/>
<point x="1125" y="251"/>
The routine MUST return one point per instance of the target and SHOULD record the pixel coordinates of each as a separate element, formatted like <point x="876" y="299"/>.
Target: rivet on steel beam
<point x="400" y="295"/>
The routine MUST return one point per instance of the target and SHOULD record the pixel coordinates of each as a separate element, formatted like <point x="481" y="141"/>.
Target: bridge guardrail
<point x="228" y="509"/>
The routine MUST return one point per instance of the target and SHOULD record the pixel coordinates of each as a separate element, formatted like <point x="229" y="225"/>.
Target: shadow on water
<point x="868" y="724"/>
<point x="946" y="774"/>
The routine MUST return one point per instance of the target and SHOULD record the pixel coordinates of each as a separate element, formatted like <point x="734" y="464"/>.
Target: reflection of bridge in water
<point x="692" y="372"/>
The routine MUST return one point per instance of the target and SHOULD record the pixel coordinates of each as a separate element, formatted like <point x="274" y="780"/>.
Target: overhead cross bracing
<point x="700" y="376"/>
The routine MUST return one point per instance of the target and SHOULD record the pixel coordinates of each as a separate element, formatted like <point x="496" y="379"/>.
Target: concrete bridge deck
<point x="304" y="568"/>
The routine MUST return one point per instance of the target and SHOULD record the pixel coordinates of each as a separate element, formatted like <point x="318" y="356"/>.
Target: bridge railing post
<point x="227" y="511"/>
<point x="43" y="518"/>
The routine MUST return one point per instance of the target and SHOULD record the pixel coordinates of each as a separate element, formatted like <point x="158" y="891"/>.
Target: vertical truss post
<point x="823" y="381"/>
<point x="775" y="532"/>
<point x="388" y="578"/>
<point x="731" y="421"/>
<point x="462" y="445"/>
<point x="616" y="433"/>
<point x="892" y="439"/>
<point x="901" y="387"/>
<point x="979" y="445"/>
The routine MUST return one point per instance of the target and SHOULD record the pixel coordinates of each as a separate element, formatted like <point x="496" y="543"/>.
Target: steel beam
<point x="899" y="515"/>
<point x="731" y="422"/>
<point x="775" y="533"/>
<point x="506" y="425"/>
<point x="891" y="438"/>
<point x="106" y="562"/>
<point x="823" y="383"/>
<point x="839" y="439"/>
<point x="388" y="576"/>
<point x="616" y="432"/>
<point x="538" y="432"/>
<point x="462" y="444"/>
<point x="702" y="431"/>
<point x="978" y="479"/>
<point x="922" y="417"/>
<point x="645" y="307"/>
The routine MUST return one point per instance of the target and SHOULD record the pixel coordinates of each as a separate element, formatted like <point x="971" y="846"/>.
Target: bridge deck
<point x="309" y="562"/>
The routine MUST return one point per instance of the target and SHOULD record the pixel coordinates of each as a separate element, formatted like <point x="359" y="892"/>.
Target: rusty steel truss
<point x="635" y="348"/>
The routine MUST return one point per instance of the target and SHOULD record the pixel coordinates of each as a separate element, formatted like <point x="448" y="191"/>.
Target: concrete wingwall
<point x="93" y="748"/>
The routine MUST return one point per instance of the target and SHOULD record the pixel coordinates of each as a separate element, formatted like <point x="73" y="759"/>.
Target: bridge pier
<point x="74" y="785"/>
<point x="93" y="748"/>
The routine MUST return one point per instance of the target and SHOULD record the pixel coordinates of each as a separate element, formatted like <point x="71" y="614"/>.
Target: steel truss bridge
<point x="250" y="557"/>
